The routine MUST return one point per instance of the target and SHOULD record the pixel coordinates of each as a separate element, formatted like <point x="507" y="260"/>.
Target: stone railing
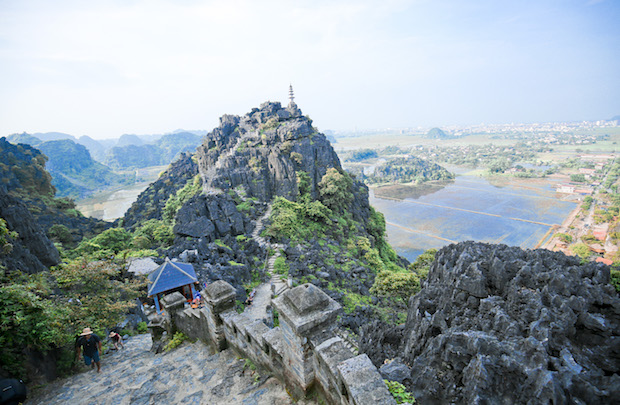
<point x="304" y="352"/>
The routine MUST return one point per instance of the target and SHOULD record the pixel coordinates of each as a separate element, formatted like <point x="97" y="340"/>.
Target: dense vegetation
<point x="22" y="170"/>
<point x="44" y="312"/>
<point x="91" y="287"/>
<point x="332" y="241"/>
<point x="408" y="170"/>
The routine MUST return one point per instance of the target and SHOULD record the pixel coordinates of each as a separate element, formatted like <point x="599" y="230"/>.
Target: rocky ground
<point x="190" y="374"/>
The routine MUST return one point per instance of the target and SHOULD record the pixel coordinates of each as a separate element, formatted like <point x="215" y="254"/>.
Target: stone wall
<point x="303" y="351"/>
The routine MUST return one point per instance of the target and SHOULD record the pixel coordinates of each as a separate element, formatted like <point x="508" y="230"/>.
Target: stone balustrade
<point x="304" y="352"/>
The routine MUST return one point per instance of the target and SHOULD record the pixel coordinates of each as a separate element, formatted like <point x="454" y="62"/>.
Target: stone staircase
<point x="349" y="342"/>
<point x="276" y="286"/>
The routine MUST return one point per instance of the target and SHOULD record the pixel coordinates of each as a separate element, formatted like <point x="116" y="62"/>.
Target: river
<point x="519" y="212"/>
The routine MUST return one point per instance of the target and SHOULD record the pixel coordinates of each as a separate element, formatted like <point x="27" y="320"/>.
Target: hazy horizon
<point x="137" y="67"/>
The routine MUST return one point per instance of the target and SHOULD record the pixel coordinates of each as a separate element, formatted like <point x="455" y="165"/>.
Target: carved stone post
<point x="220" y="297"/>
<point x="305" y="312"/>
<point x="172" y="304"/>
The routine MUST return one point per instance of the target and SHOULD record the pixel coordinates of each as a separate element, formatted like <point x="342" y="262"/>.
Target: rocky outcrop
<point x="497" y="324"/>
<point x="210" y="217"/>
<point x="32" y="251"/>
<point x="152" y="201"/>
<point x="262" y="151"/>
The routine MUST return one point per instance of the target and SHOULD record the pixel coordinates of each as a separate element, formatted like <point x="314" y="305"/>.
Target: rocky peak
<point x="260" y="153"/>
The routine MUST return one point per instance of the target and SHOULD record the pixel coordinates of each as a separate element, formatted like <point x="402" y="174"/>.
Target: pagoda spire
<point x="291" y="95"/>
<point x="292" y="107"/>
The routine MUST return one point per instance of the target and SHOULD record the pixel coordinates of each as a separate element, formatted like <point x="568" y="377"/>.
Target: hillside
<point x="131" y="152"/>
<point x="75" y="173"/>
<point x="406" y="170"/>
<point x="28" y="204"/>
<point x="437" y="133"/>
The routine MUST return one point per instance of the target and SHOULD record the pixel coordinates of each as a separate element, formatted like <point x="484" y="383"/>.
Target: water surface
<point x="517" y="213"/>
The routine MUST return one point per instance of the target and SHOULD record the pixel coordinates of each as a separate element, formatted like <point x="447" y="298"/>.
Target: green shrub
<point x="615" y="279"/>
<point x="245" y="206"/>
<point x="153" y="233"/>
<point x="335" y="189"/>
<point x="60" y="233"/>
<point x="176" y="341"/>
<point x="401" y="285"/>
<point x="582" y="250"/>
<point x="5" y="238"/>
<point x="113" y="239"/>
<point x="176" y="201"/>
<point x="142" y="328"/>
<point x="564" y="237"/>
<point x="399" y="392"/>
<point x="280" y="266"/>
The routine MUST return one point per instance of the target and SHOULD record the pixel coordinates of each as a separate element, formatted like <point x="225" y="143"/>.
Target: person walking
<point x="116" y="339"/>
<point x="90" y="344"/>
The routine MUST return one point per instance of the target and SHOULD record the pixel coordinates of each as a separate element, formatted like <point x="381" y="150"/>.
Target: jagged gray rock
<point x="497" y="324"/>
<point x="32" y="251"/>
<point x="151" y="202"/>
<point x="262" y="151"/>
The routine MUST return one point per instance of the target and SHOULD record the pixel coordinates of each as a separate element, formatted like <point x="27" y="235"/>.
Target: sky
<point x="107" y="68"/>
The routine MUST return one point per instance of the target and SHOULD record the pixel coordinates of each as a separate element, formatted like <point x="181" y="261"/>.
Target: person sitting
<point x="116" y="339"/>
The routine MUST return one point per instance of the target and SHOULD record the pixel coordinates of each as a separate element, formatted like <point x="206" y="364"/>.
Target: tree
<point x="582" y="250"/>
<point x="399" y="285"/>
<point x="423" y="263"/>
<point x="153" y="233"/>
<point x="578" y="178"/>
<point x="60" y="233"/>
<point x="113" y="239"/>
<point x="564" y="237"/>
<point x="334" y="189"/>
<point x="5" y="236"/>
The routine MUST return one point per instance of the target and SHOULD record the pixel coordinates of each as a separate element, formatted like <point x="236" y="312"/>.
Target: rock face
<point x="497" y="324"/>
<point x="27" y="203"/>
<point x="210" y="217"/>
<point x="261" y="152"/>
<point x="32" y="251"/>
<point x="151" y="201"/>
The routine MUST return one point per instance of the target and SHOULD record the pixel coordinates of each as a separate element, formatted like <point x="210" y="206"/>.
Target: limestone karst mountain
<point x="271" y="157"/>
<point x="28" y="204"/>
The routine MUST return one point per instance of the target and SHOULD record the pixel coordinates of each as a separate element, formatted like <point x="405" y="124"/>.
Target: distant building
<point x="600" y="231"/>
<point x="584" y="190"/>
<point x="583" y="170"/>
<point x="565" y="188"/>
<point x="604" y="261"/>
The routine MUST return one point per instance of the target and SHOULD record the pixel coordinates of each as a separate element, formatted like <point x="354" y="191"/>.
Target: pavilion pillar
<point x="157" y="308"/>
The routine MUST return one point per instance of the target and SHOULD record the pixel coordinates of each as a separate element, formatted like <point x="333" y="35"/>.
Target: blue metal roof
<point x="171" y="275"/>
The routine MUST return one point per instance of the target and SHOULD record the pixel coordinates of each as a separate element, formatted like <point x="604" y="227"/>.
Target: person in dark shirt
<point x="90" y="344"/>
<point x="116" y="339"/>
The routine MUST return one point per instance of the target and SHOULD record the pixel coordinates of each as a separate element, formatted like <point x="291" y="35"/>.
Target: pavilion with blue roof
<point x="171" y="277"/>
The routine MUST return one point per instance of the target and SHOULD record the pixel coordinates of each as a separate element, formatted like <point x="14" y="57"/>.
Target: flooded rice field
<point x="516" y="212"/>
